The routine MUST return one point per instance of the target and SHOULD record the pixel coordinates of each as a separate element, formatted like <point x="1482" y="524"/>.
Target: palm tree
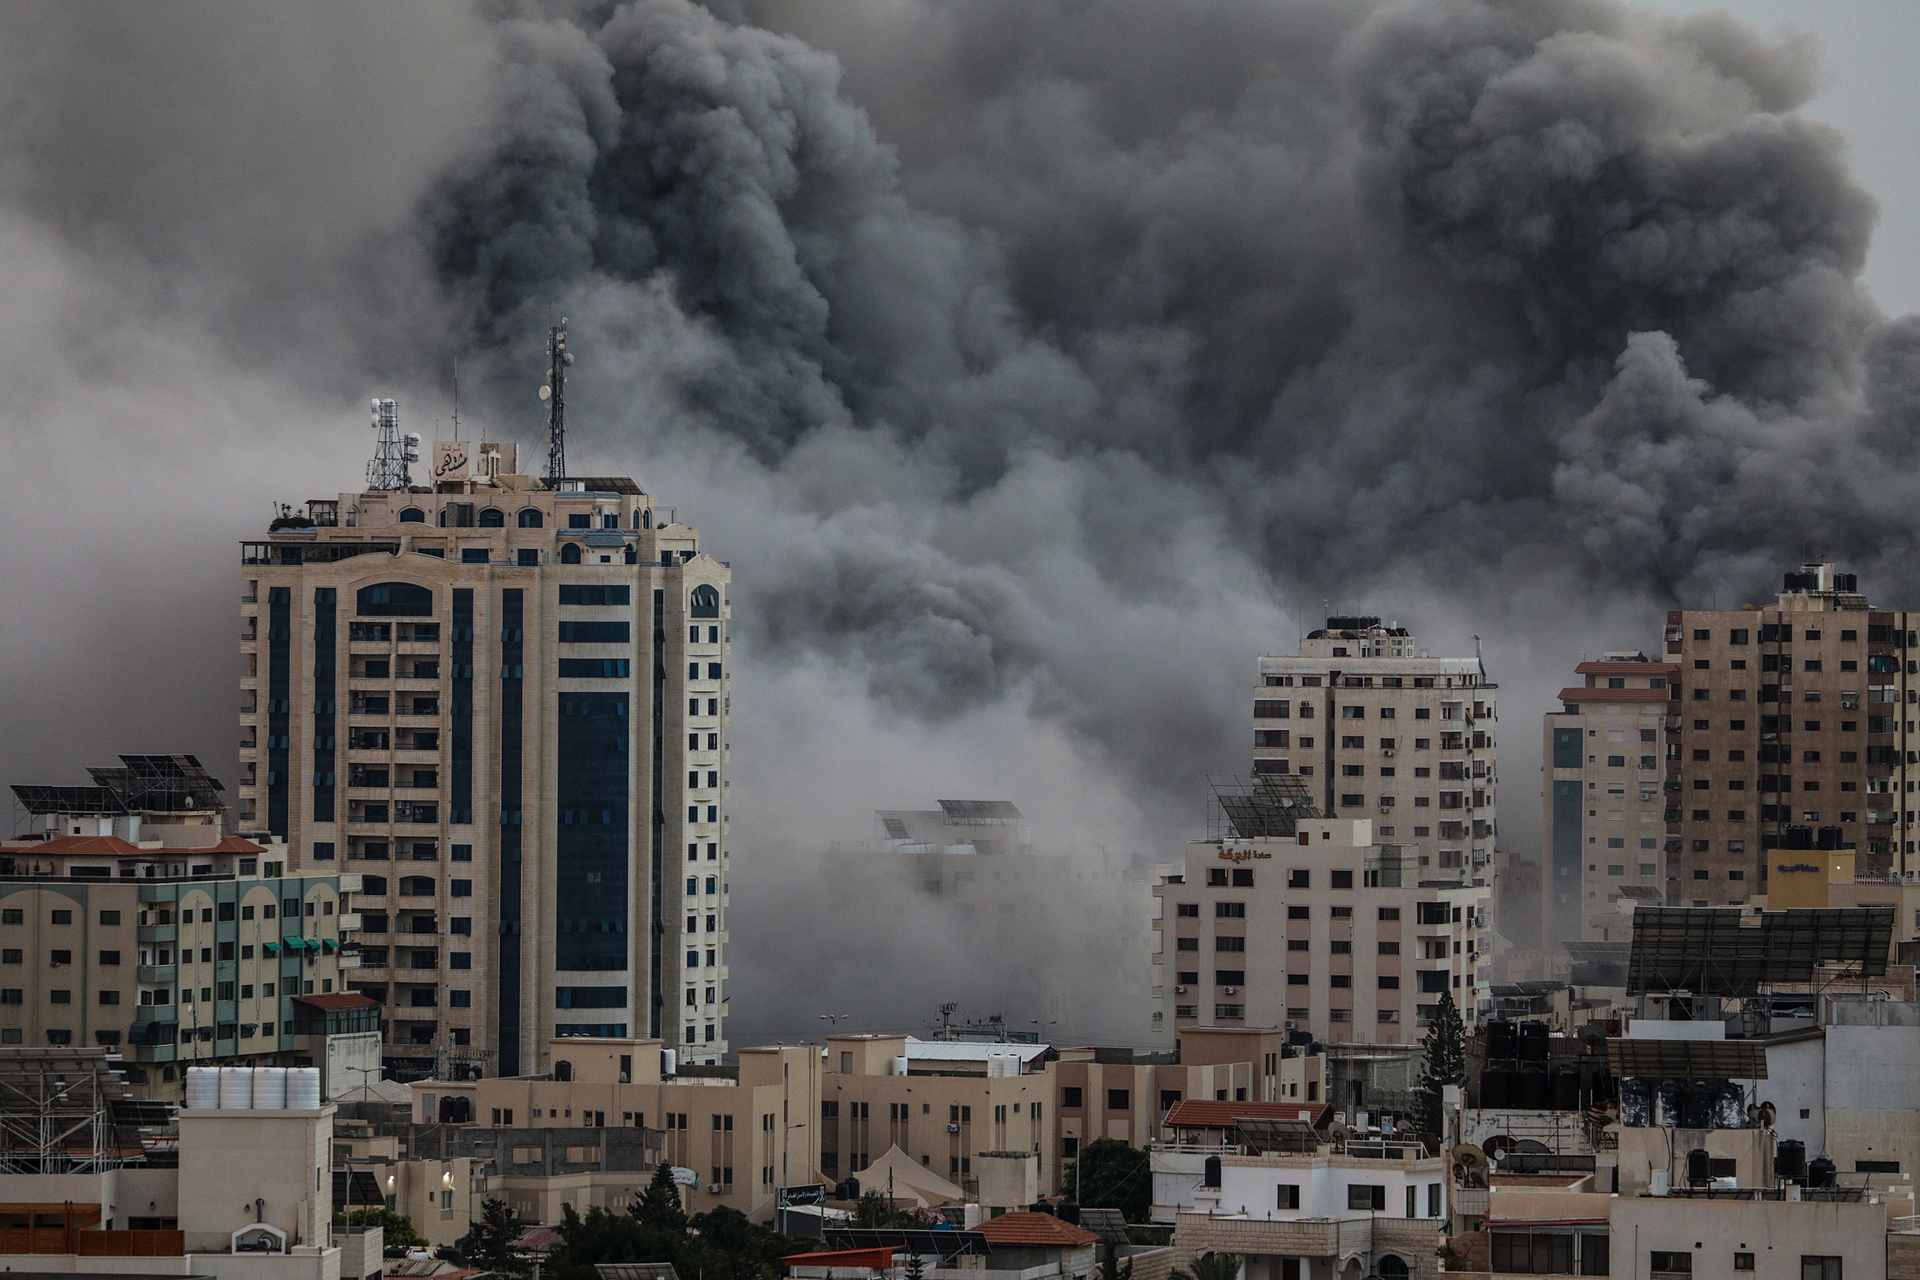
<point x="1211" y="1266"/>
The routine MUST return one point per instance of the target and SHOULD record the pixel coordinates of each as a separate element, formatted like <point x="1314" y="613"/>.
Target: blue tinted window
<point x="474" y="555"/>
<point x="570" y="554"/>
<point x="394" y="600"/>
<point x="579" y="522"/>
<point x="493" y="518"/>
<point x="531" y="519"/>
<point x="413" y="515"/>
<point x="705" y="602"/>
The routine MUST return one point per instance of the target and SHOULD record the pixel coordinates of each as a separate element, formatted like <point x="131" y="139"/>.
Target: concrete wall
<point x="1778" y="1233"/>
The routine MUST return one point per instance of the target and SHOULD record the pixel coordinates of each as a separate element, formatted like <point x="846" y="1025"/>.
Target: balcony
<point x="157" y="933"/>
<point x="157" y="973"/>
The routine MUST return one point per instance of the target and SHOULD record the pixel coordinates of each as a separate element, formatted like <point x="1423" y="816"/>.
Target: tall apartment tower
<point x="1787" y="727"/>
<point x="1606" y="798"/>
<point x="503" y="700"/>
<point x="1383" y="732"/>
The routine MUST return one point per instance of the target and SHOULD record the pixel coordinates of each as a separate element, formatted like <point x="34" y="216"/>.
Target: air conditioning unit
<point x="1386" y="751"/>
<point x="1288" y="1026"/>
<point x="1232" y="991"/>
<point x="713" y="1188"/>
<point x="953" y="1128"/>
<point x="1179" y="991"/>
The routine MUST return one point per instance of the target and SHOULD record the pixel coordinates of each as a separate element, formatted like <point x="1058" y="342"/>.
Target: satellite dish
<point x="1593" y="1034"/>
<point x="1338" y="1132"/>
<point x="1468" y="1156"/>
<point x="1531" y="1147"/>
<point x="1496" y="1144"/>
<point x="545" y="392"/>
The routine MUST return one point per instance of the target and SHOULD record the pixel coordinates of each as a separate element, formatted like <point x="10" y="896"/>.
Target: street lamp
<point x="833" y="1020"/>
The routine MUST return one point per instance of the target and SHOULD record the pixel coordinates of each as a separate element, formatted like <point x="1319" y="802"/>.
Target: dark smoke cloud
<point x="1037" y="364"/>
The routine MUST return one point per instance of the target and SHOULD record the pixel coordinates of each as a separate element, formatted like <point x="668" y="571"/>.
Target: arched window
<point x="416" y="887"/>
<point x="531" y="519"/>
<point x="570" y="553"/>
<point x="493" y="518"/>
<point x="394" y="600"/>
<point x="374" y="885"/>
<point x="1393" y="1268"/>
<point x="705" y="602"/>
<point x="413" y="515"/>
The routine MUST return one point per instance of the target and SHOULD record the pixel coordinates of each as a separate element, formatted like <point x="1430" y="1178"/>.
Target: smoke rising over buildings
<point x="1037" y="364"/>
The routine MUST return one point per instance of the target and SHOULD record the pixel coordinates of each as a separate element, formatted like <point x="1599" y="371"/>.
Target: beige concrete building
<point x="1779" y="729"/>
<point x="1325" y="931"/>
<point x="249" y="1199"/>
<point x="1606" y="798"/>
<point x="1379" y="730"/>
<point x="178" y="946"/>
<point x="503" y="699"/>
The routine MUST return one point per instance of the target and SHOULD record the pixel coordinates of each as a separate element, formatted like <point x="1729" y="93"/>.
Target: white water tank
<point x="236" y="1088"/>
<point x="270" y="1088"/>
<point x="669" y="1062"/>
<point x="899" y="1066"/>
<point x="303" y="1088"/>
<point x="203" y="1088"/>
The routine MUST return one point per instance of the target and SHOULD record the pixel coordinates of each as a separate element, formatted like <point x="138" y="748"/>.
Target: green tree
<point x="398" y="1227"/>
<point x="488" y="1243"/>
<point x="601" y="1236"/>
<point x="1109" y="1174"/>
<point x="914" y="1268"/>
<point x="1111" y="1267"/>
<point x="874" y="1209"/>
<point x="1444" y="1054"/>
<point x="1210" y="1266"/>
<point x="659" y="1205"/>
<point x="729" y="1246"/>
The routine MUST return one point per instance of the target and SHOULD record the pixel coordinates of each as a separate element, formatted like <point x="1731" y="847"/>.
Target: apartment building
<point x="1606" y="798"/>
<point x="1782" y="727"/>
<point x="147" y="931"/>
<point x="504" y="699"/>
<point x="1382" y="731"/>
<point x="1321" y="930"/>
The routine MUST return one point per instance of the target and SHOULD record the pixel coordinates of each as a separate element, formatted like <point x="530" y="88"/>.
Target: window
<point x="1298" y="879"/>
<point x="1118" y="1099"/>
<point x="1815" y="1266"/>
<point x="1342" y="879"/>
<point x="1070" y="1098"/>
<point x="1289" y="1196"/>
<point x="1190" y="909"/>
<point x="1743" y="1262"/>
<point x="1364" y="1196"/>
<point x="1243" y="879"/>
<point x="1229" y="944"/>
<point x="63" y="917"/>
<point x="1298" y="913"/>
<point x="704" y="602"/>
<point x="1228" y="910"/>
<point x="1389" y="913"/>
<point x="1671" y="1263"/>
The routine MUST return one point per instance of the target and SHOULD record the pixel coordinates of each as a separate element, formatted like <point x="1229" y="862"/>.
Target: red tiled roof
<point x="115" y="847"/>
<point x="1627" y="668"/>
<point x="541" y="1238"/>
<point x="337" y="1001"/>
<point x="1043" y="1229"/>
<point x="880" y="1259"/>
<point x="1615" y="695"/>
<point x="1204" y="1113"/>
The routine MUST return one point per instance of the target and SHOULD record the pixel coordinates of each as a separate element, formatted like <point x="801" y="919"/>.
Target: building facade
<point x="504" y="700"/>
<point x="1379" y="730"/>
<point x="179" y="947"/>
<point x="1782" y="728"/>
<point x="1326" y="932"/>
<point x="1606" y="797"/>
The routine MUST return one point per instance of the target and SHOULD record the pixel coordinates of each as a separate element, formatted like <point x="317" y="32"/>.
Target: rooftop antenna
<point x="946" y="1020"/>
<point x="391" y="453"/>
<point x="456" y="398"/>
<point x="555" y="394"/>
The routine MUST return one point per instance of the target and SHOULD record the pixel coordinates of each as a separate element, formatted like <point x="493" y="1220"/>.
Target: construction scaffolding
<point x="70" y="1111"/>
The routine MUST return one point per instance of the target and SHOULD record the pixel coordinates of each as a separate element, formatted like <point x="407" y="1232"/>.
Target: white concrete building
<point x="1328" y="932"/>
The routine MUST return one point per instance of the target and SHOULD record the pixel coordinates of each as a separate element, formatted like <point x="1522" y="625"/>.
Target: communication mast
<point x="391" y="452"/>
<point x="555" y="394"/>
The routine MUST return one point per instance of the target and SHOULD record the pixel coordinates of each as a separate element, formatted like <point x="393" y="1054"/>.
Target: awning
<point x="273" y="948"/>
<point x="295" y="944"/>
